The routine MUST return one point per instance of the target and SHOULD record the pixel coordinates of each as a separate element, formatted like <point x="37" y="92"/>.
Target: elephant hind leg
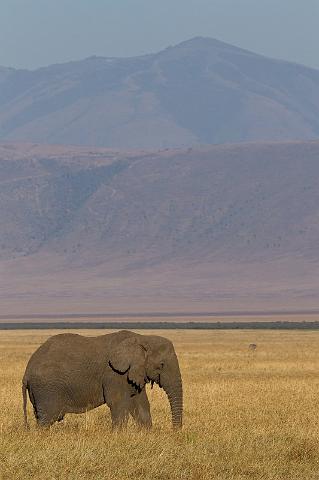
<point x="47" y="416"/>
<point x="46" y="410"/>
<point x="44" y="421"/>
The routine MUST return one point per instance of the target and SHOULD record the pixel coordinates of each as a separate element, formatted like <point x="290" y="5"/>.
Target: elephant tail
<point x="24" y="396"/>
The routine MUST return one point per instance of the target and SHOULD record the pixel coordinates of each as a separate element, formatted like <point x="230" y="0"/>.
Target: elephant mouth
<point x="156" y="380"/>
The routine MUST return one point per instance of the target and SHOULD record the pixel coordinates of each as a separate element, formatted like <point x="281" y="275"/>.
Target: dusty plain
<point x="248" y="414"/>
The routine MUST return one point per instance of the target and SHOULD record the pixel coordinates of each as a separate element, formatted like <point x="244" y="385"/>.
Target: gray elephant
<point x="71" y="373"/>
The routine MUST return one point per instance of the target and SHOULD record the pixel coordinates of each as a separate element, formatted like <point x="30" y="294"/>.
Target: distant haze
<point x="43" y="32"/>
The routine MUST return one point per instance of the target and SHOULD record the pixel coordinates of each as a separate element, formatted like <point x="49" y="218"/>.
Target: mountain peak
<point x="208" y="43"/>
<point x="199" y="41"/>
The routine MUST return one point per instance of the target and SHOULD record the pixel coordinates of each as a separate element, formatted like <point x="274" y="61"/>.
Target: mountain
<point x="207" y="228"/>
<point x="201" y="91"/>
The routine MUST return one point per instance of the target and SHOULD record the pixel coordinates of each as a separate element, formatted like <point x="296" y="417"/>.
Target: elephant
<point x="71" y="373"/>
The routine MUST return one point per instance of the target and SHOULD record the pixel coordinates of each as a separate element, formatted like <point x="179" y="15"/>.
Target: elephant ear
<point x="129" y="357"/>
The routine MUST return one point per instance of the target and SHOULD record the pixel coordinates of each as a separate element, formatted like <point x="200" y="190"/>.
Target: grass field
<point x="247" y="415"/>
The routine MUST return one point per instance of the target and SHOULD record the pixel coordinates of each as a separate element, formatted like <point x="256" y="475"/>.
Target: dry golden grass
<point x="247" y="415"/>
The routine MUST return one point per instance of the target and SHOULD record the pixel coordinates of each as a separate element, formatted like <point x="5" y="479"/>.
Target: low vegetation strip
<point x="278" y="325"/>
<point x="224" y="313"/>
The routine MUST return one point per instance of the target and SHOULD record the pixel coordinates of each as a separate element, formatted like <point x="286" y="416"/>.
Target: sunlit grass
<point x="247" y="415"/>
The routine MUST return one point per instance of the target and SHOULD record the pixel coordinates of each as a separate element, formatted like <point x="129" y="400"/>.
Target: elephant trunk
<point x="171" y="382"/>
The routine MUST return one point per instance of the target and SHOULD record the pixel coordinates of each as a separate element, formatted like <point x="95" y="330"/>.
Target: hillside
<point x="201" y="91"/>
<point x="209" y="228"/>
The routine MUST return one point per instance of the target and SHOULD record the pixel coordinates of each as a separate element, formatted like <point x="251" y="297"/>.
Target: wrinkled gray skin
<point x="71" y="373"/>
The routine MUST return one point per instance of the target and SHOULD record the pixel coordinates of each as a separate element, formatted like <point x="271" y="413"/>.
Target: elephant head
<point x="150" y="358"/>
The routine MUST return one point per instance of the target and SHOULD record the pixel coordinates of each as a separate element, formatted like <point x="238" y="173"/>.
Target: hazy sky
<point x="39" y="32"/>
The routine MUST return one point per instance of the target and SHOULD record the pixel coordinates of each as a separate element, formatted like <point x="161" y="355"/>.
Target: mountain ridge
<point x="196" y="40"/>
<point x="201" y="91"/>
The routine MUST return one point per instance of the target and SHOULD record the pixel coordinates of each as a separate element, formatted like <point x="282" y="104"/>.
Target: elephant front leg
<point x="140" y="409"/>
<point x="118" y="402"/>
<point x="119" y="415"/>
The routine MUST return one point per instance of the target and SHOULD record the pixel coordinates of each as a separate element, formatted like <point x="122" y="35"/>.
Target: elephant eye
<point x="162" y="364"/>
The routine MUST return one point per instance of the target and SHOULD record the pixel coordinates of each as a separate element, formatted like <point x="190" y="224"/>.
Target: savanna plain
<point x="247" y="414"/>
